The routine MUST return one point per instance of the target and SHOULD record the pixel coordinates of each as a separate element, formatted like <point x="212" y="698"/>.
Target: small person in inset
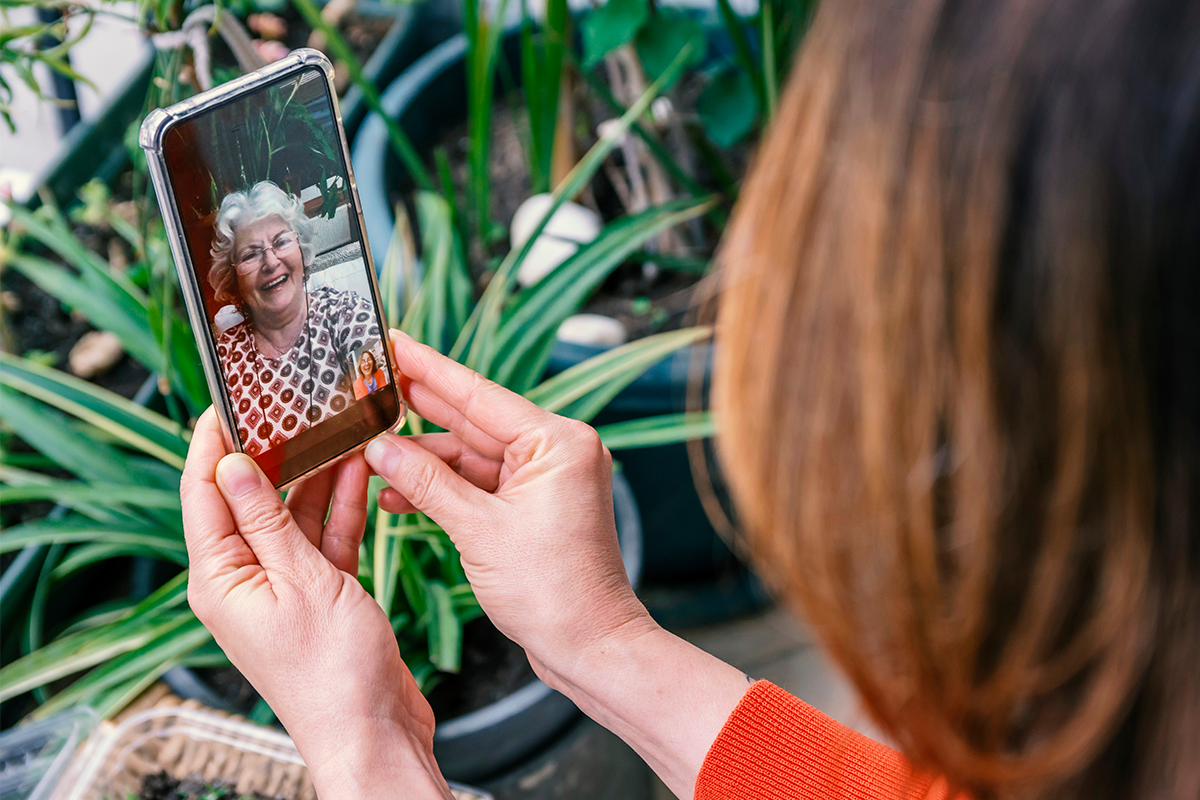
<point x="286" y="362"/>
<point x="370" y="377"/>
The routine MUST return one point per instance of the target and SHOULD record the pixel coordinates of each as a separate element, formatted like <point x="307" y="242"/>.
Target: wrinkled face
<point x="270" y="266"/>
<point x="366" y="364"/>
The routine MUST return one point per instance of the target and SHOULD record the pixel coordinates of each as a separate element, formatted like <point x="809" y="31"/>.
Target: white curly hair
<point x="264" y="199"/>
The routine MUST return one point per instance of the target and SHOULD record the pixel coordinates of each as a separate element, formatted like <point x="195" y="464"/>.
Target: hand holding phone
<point x="264" y="222"/>
<point x="275" y="584"/>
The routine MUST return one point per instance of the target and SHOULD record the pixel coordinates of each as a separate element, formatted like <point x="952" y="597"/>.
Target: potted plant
<point x="696" y="144"/>
<point x="124" y="460"/>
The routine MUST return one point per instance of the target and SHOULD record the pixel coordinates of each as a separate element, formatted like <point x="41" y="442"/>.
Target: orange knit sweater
<point x="774" y="746"/>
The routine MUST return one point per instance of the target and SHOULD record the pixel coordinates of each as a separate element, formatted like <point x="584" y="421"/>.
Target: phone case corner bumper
<point x="154" y="127"/>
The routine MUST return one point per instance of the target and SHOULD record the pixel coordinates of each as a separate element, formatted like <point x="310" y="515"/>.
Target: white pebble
<point x="662" y="109"/>
<point x="593" y="329"/>
<point x="94" y="353"/>
<point x="571" y="226"/>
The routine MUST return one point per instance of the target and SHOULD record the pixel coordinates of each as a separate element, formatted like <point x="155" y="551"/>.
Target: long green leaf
<point x="50" y="229"/>
<point x="13" y="477"/>
<point x="654" y="431"/>
<point x="541" y="308"/>
<point x="434" y="317"/>
<point x="130" y="325"/>
<point x="445" y="630"/>
<point x="79" y="651"/>
<point x="128" y="422"/>
<point x="583" y="390"/>
<point x="74" y="493"/>
<point x="386" y="555"/>
<point x="483" y="47"/>
<point x="76" y="529"/>
<point x="153" y="658"/>
<point x="64" y="440"/>
<point x="84" y="555"/>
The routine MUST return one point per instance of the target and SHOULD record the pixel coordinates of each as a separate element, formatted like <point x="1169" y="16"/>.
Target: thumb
<point x="260" y="516"/>
<point x="426" y="481"/>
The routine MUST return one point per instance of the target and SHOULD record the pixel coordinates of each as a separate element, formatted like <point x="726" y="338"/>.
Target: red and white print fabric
<point x="276" y="398"/>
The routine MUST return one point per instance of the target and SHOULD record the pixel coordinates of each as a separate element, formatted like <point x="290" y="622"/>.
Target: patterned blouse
<point x="276" y="398"/>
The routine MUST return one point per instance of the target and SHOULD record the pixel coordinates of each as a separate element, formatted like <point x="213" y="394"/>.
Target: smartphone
<point x="264" y="222"/>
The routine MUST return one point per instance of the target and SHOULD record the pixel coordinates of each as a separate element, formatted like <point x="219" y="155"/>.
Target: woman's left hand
<point x="275" y="584"/>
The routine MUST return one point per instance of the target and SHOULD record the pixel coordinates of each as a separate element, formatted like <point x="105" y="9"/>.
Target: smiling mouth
<point x="275" y="284"/>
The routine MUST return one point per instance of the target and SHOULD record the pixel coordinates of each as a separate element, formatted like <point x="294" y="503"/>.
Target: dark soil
<point x="493" y="667"/>
<point x="163" y="787"/>
<point x="37" y="322"/>
<point x="231" y="686"/>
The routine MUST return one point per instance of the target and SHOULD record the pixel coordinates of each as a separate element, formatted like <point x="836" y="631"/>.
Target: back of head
<point x="959" y="381"/>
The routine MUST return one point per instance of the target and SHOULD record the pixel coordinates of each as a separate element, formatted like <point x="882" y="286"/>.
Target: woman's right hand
<point x="526" y="496"/>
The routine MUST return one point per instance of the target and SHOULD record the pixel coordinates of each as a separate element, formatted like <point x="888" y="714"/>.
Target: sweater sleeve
<point x="775" y="746"/>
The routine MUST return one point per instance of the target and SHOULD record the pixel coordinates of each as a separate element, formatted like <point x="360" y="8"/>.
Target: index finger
<point x="484" y="414"/>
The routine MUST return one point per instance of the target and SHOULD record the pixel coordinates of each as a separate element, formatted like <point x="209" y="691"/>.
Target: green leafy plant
<point x="542" y="72"/>
<point x="23" y="48"/>
<point x="124" y="461"/>
<point x="742" y="89"/>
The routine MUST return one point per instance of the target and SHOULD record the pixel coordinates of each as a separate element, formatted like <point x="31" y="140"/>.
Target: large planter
<point x="682" y="547"/>
<point x="412" y="32"/>
<point x="490" y="742"/>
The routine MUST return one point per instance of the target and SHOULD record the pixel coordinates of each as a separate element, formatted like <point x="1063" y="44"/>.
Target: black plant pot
<point x="701" y="579"/>
<point x="490" y="741"/>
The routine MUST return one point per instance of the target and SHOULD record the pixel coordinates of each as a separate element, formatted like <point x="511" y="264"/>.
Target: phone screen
<point x="272" y="228"/>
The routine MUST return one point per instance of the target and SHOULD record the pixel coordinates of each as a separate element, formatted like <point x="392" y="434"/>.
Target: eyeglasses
<point x="252" y="258"/>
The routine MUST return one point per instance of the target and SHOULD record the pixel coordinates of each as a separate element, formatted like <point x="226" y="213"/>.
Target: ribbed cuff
<point x="775" y="746"/>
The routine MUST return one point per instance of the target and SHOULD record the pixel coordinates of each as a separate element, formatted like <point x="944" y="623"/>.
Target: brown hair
<point x="958" y="381"/>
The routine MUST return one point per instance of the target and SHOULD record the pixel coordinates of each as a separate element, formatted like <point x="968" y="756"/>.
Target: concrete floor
<point x="776" y="646"/>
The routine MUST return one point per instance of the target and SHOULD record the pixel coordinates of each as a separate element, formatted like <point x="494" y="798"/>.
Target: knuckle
<point x="266" y="518"/>
<point x="422" y="481"/>
<point x="584" y="441"/>
<point x="479" y="392"/>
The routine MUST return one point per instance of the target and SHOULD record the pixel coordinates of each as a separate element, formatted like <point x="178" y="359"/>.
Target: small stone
<point x="187" y="75"/>
<point x="94" y="353"/>
<point x="128" y="211"/>
<point x="118" y="259"/>
<point x="592" y="329"/>
<point x="611" y="129"/>
<point x="662" y="109"/>
<point x="571" y="226"/>
<point x="268" y="26"/>
<point x="270" y="51"/>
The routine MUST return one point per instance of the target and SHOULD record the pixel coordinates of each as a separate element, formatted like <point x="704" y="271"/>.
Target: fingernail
<point x="399" y="334"/>
<point x="383" y="455"/>
<point x="238" y="475"/>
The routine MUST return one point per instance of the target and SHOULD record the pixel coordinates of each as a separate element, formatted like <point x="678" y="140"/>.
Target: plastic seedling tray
<point x="34" y="757"/>
<point x="185" y="743"/>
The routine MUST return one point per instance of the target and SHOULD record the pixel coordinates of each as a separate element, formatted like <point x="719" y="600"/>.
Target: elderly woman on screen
<point x="283" y="363"/>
